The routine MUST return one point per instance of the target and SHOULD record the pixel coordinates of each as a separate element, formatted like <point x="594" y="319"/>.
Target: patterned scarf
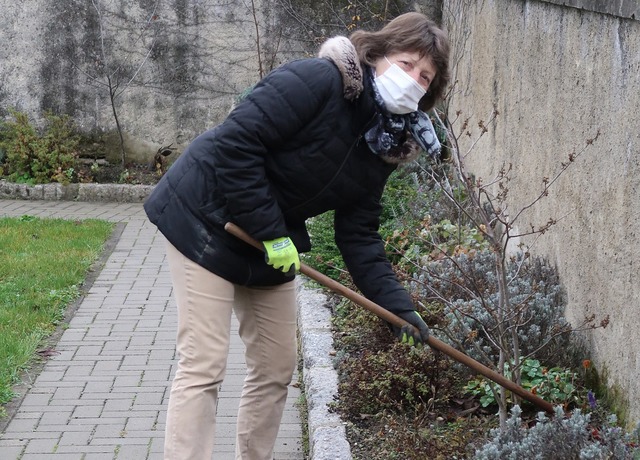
<point x="389" y="138"/>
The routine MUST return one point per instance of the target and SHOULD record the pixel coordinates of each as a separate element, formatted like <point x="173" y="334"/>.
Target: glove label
<point x="282" y="254"/>
<point x="281" y="245"/>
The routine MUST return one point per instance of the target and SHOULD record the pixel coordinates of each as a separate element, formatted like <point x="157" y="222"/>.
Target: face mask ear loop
<point x="375" y="74"/>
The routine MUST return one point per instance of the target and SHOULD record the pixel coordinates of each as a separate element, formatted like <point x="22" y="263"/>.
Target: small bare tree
<point x="486" y="208"/>
<point x="500" y="304"/>
<point x="115" y="67"/>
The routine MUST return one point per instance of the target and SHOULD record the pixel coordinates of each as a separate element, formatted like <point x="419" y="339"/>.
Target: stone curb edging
<point x="327" y="433"/>
<point x="119" y="193"/>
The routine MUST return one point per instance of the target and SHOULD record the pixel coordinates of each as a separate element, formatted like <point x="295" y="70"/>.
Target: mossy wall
<point x="172" y="68"/>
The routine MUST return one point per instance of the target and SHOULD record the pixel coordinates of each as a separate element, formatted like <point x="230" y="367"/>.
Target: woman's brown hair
<point x="412" y="32"/>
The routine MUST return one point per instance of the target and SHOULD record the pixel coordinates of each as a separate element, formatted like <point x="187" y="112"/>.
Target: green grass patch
<point x="43" y="263"/>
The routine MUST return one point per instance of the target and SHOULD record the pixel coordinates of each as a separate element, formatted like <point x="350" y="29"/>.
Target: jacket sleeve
<point x="276" y="110"/>
<point x="362" y="248"/>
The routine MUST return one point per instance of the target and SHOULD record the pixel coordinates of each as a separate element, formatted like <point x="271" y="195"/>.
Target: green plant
<point x="412" y="435"/>
<point x="385" y="375"/>
<point x="400" y="378"/>
<point x="124" y="177"/>
<point x="324" y="256"/>
<point x="18" y="137"/>
<point x="456" y="238"/>
<point x="64" y="177"/>
<point x="556" y="385"/>
<point x="39" y="156"/>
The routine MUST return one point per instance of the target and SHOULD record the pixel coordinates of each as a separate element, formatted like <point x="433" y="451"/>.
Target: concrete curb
<point x="327" y="434"/>
<point x="119" y="193"/>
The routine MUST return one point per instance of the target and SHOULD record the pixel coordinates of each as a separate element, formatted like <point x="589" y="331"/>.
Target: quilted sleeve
<point x="362" y="248"/>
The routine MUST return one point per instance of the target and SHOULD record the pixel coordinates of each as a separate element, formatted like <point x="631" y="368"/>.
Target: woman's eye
<point x="406" y="65"/>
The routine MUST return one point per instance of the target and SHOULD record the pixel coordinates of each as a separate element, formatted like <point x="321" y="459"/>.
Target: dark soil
<point x="134" y="174"/>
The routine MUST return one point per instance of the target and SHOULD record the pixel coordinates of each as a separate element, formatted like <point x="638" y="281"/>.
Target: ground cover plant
<point x="43" y="263"/>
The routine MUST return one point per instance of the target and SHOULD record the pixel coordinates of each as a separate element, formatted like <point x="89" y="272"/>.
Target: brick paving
<point x="104" y="393"/>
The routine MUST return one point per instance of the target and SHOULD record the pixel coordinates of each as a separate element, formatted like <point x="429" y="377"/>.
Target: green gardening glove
<point x="282" y="254"/>
<point x="407" y="334"/>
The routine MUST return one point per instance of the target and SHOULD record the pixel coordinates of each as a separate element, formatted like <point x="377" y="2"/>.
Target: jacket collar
<point x="343" y="54"/>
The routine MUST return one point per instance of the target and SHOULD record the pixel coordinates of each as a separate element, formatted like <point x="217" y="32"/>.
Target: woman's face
<point x="420" y="69"/>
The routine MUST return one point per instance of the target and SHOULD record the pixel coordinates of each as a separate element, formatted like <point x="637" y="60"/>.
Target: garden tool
<point x="396" y="320"/>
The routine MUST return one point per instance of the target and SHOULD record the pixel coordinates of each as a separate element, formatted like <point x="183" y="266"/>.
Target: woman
<point x="314" y="135"/>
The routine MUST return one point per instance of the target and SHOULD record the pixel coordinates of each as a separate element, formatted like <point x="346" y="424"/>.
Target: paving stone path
<point x="103" y="394"/>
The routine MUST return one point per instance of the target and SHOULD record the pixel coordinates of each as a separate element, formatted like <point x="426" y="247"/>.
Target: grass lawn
<point x="43" y="263"/>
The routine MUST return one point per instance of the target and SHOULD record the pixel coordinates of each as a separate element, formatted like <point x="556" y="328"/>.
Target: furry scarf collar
<point x="396" y="139"/>
<point x="343" y="54"/>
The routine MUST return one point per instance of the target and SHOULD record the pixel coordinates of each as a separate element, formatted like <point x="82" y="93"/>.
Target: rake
<point x="396" y="320"/>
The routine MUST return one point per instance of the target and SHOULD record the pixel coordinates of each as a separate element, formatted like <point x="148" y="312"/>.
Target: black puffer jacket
<point x="291" y="150"/>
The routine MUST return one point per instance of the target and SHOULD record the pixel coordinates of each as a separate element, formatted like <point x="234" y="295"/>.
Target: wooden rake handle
<point x="396" y="320"/>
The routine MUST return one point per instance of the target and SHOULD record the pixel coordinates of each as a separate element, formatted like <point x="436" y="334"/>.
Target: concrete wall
<point x="176" y="65"/>
<point x="558" y="75"/>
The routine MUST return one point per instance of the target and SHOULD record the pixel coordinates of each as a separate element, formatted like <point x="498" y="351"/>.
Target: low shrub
<point x="468" y="282"/>
<point x="412" y="436"/>
<point x="39" y="156"/>
<point x="400" y="378"/>
<point x="396" y="399"/>
<point x="381" y="374"/>
<point x="560" y="437"/>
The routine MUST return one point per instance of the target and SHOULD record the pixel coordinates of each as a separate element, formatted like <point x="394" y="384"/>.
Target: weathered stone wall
<point x="558" y="75"/>
<point x="174" y="67"/>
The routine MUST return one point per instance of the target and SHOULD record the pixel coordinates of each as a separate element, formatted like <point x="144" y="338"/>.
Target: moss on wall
<point x="615" y="397"/>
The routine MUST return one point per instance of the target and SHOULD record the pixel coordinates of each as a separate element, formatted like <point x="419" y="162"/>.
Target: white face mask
<point x="399" y="91"/>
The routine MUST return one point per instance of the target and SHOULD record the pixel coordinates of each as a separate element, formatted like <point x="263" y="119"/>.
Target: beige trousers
<point x="267" y="318"/>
